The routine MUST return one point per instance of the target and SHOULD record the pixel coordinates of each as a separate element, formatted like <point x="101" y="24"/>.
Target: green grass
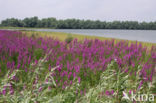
<point x="62" y="36"/>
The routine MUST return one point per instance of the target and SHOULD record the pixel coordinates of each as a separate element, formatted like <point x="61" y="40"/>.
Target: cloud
<point x="109" y="10"/>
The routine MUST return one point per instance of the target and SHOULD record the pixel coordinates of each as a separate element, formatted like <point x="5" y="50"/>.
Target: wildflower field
<point x="48" y="70"/>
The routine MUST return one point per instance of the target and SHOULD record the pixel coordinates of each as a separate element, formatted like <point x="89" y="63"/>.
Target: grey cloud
<point x="109" y="10"/>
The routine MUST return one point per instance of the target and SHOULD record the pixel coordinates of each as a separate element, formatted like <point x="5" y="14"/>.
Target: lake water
<point x="139" y="35"/>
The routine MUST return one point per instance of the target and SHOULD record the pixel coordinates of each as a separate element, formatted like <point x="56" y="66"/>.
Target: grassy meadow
<point x="62" y="36"/>
<point x="52" y="67"/>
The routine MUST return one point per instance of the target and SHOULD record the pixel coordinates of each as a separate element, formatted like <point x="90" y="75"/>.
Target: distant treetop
<point x="34" y="22"/>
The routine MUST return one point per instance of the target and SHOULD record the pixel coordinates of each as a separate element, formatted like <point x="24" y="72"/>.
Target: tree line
<point x="35" y="22"/>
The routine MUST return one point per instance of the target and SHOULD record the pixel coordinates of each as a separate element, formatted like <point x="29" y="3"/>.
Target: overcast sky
<point x="105" y="10"/>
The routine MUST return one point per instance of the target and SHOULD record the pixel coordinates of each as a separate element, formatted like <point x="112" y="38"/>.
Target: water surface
<point x="139" y="35"/>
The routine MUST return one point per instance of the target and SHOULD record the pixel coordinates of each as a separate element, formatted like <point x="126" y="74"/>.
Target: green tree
<point x="31" y="22"/>
<point x="77" y="24"/>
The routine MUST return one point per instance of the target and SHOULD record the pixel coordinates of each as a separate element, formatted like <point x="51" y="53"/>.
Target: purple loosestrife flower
<point x="18" y="66"/>
<point x="8" y="65"/>
<point x="59" y="68"/>
<point x="112" y="92"/>
<point x="56" y="81"/>
<point x="81" y="92"/>
<point x="133" y="64"/>
<point x="26" y="69"/>
<point x="63" y="87"/>
<point x="49" y="68"/>
<point x="11" y="91"/>
<point x="65" y="82"/>
<point x="24" y="87"/>
<point x="71" y="82"/>
<point x="62" y="74"/>
<point x="69" y="75"/>
<point x="49" y="88"/>
<point x="77" y="68"/>
<point x="79" y="80"/>
<point x="131" y="73"/>
<point x="29" y="60"/>
<point x="23" y="65"/>
<point x="46" y="81"/>
<point x="36" y="62"/>
<point x="126" y="70"/>
<point x="140" y="84"/>
<point x="74" y="75"/>
<point x="130" y="91"/>
<point x="4" y="91"/>
<point x="40" y="89"/>
<point x="107" y="93"/>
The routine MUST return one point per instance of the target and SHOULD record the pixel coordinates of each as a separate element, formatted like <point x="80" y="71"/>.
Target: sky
<point x="104" y="10"/>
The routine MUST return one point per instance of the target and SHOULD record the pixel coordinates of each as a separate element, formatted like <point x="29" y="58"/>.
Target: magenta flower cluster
<point x="78" y="60"/>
